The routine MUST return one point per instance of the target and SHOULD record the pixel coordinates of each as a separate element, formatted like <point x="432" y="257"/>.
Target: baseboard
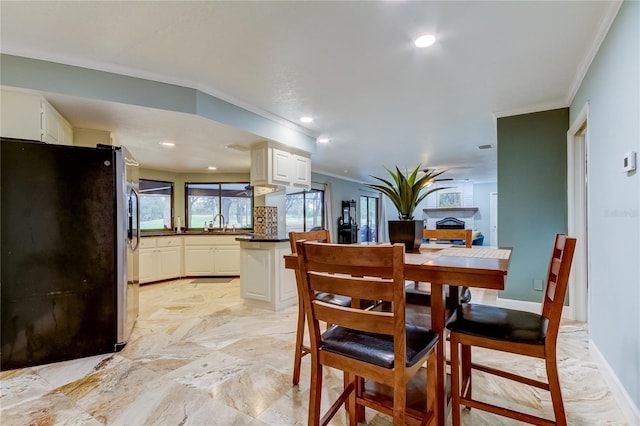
<point x="535" y="307"/>
<point x="520" y="305"/>
<point x="629" y="409"/>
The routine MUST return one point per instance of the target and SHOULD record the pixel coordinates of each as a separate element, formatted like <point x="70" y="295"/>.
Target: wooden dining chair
<point x="301" y="349"/>
<point x="364" y="343"/>
<point x="513" y="331"/>
<point x="417" y="294"/>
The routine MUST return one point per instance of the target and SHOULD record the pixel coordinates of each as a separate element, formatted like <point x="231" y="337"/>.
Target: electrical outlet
<point x="537" y="285"/>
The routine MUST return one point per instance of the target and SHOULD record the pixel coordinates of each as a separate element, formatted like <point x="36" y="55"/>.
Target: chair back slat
<point x="449" y="234"/>
<point x="352" y="286"/>
<point x="322" y="236"/>
<point x="357" y="319"/>
<point x="551" y="290"/>
<point x="557" y="280"/>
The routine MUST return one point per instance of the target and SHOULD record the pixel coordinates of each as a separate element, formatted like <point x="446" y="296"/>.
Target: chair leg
<point x="431" y="385"/>
<point x="351" y="406"/>
<point x="455" y="379"/>
<point x="466" y="370"/>
<point x="554" y="389"/>
<point x="399" y="405"/>
<point x="298" y="348"/>
<point x="315" y="393"/>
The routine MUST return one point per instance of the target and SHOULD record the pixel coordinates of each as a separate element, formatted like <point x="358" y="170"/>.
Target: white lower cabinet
<point x="198" y="260"/>
<point x="227" y="260"/>
<point x="147" y="262"/>
<point x="160" y="258"/>
<point x="211" y="255"/>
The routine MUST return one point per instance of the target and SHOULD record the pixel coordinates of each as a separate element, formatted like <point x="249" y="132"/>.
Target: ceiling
<point x="352" y="66"/>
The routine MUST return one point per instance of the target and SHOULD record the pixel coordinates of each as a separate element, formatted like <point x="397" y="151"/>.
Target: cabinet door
<point x="20" y="115"/>
<point x="198" y="260"/>
<point x="301" y="172"/>
<point x="259" y="166"/>
<point x="256" y="275"/>
<point x="147" y="265"/>
<point x="168" y="263"/>
<point x="281" y="170"/>
<point x="227" y="260"/>
<point x="50" y="125"/>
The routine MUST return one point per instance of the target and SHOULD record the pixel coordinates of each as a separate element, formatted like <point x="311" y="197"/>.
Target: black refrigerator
<point x="69" y="258"/>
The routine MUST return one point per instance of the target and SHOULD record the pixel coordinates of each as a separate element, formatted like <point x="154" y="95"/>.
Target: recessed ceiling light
<point x="306" y="119"/>
<point x="167" y="143"/>
<point x="212" y="168"/>
<point x="323" y="139"/>
<point x="425" y="40"/>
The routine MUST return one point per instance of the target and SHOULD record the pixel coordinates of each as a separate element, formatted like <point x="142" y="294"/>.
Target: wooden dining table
<point x="442" y="265"/>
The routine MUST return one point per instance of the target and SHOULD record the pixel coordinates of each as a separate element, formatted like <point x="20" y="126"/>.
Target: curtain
<point x="328" y="212"/>
<point x="382" y="220"/>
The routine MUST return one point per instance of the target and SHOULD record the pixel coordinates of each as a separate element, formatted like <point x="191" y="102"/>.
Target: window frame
<point x="171" y="201"/>
<point x="187" y="215"/>
<point x="304" y="193"/>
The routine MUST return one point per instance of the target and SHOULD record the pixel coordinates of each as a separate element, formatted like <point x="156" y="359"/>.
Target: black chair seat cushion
<point x="377" y="348"/>
<point x="499" y="324"/>
<point x="333" y="298"/>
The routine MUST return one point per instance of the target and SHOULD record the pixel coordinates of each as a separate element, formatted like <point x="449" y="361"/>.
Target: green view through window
<point x="223" y="204"/>
<point x="156" y="201"/>
<point x="305" y="211"/>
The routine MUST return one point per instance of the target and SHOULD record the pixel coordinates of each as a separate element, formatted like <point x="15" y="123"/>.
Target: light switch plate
<point x="629" y="161"/>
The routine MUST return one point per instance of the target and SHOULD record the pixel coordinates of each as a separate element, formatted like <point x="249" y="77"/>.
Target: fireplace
<point x="450" y="223"/>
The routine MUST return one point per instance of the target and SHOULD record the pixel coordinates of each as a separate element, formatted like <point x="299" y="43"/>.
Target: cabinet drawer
<point x="169" y="241"/>
<point x="210" y="240"/>
<point x="147" y="242"/>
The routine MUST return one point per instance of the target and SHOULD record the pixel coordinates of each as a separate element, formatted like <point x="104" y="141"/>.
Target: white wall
<point x="612" y="90"/>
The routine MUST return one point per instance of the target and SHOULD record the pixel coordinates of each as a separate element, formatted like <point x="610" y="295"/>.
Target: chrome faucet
<point x="223" y="221"/>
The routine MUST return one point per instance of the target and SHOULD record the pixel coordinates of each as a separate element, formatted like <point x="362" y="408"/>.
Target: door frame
<point x="493" y="219"/>
<point x="578" y="217"/>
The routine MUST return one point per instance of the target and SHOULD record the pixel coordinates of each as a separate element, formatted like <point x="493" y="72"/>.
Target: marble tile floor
<point x="199" y="356"/>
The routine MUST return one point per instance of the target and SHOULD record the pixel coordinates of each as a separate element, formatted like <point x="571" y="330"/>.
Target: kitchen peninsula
<point x="264" y="281"/>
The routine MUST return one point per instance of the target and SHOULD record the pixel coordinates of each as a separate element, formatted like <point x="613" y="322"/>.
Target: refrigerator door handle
<point x="137" y="220"/>
<point x="134" y="210"/>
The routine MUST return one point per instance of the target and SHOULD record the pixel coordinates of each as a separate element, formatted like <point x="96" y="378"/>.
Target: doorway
<point x="368" y="219"/>
<point x="578" y="217"/>
<point x="493" y="219"/>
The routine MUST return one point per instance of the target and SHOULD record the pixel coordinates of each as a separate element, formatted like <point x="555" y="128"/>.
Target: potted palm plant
<point x="406" y="191"/>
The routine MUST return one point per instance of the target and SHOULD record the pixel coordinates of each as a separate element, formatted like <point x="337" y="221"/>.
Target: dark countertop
<point x="261" y="239"/>
<point x="188" y="233"/>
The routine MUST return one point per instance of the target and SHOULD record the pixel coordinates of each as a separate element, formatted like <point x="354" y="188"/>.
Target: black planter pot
<point x="407" y="232"/>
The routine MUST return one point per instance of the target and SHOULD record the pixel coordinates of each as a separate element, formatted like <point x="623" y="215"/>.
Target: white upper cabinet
<point x="281" y="167"/>
<point x="21" y="115"/>
<point x="301" y="172"/>
<point x="273" y="165"/>
<point x="30" y="116"/>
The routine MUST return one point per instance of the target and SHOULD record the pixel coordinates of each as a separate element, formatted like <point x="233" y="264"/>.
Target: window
<point x="305" y="211"/>
<point x="368" y="219"/>
<point x="223" y="204"/>
<point x="156" y="202"/>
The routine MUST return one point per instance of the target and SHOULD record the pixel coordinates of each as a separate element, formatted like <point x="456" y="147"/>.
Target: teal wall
<point x="611" y="89"/>
<point x="532" y="191"/>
